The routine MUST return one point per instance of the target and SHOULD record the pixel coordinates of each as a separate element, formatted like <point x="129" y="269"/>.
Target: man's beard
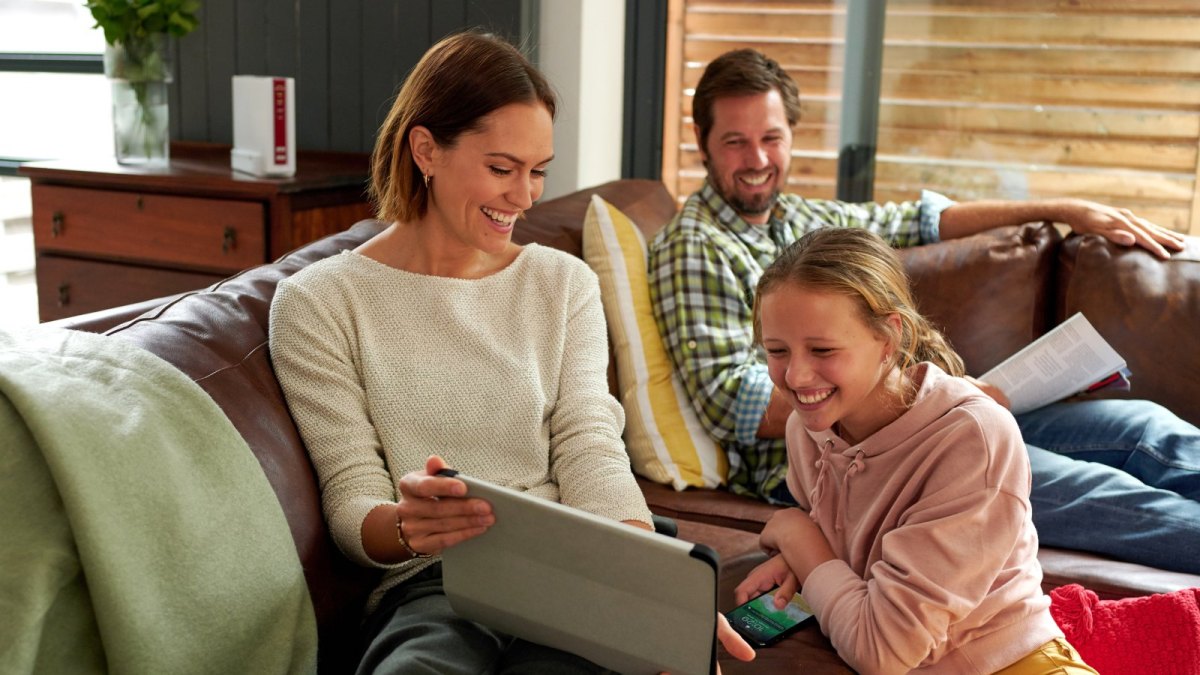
<point x="757" y="207"/>
<point x="744" y="207"/>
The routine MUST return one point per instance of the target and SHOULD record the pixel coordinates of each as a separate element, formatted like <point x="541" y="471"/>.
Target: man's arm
<point x="700" y="305"/>
<point x="1120" y="226"/>
<point x="774" y="420"/>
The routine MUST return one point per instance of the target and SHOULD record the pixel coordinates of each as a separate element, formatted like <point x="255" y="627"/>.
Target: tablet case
<point x="627" y="599"/>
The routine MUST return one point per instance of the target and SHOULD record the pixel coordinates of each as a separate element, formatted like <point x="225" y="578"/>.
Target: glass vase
<point x="140" y="72"/>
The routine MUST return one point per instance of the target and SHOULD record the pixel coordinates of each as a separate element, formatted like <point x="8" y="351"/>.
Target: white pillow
<point x="665" y="441"/>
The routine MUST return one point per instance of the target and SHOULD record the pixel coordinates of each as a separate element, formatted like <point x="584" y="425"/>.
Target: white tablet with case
<point x="627" y="599"/>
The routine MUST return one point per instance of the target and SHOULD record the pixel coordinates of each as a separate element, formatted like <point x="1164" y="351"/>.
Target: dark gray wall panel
<point x="313" y="98"/>
<point x="220" y="22"/>
<point x="348" y="57"/>
<point x="345" y="79"/>
<point x="250" y="37"/>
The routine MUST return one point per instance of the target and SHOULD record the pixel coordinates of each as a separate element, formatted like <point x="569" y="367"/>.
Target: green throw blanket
<point x="138" y="534"/>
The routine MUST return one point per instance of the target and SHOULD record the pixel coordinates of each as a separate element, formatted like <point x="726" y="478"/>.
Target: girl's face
<point x="485" y="180"/>
<point x="831" y="366"/>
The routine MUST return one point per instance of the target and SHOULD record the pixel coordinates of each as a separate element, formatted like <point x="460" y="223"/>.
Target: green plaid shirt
<point x="703" y="268"/>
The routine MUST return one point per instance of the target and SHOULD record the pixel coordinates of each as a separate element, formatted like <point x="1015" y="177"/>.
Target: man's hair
<point x="741" y="72"/>
<point x="859" y="264"/>
<point x="458" y="82"/>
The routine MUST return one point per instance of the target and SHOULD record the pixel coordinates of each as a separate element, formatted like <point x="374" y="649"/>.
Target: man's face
<point x="748" y="152"/>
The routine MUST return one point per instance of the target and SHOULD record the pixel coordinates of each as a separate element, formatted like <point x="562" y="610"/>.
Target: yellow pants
<point x="1056" y="657"/>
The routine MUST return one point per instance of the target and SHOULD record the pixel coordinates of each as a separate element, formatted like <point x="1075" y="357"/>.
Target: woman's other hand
<point x="733" y="643"/>
<point x="433" y="512"/>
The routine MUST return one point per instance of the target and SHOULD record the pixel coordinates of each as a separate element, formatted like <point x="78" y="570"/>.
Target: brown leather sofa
<point x="992" y="294"/>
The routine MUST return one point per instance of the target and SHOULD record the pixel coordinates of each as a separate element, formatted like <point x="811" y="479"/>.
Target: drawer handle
<point x="56" y="223"/>
<point x="229" y="242"/>
<point x="64" y="294"/>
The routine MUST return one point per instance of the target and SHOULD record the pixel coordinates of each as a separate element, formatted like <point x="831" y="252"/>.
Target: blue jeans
<point x="1118" y="478"/>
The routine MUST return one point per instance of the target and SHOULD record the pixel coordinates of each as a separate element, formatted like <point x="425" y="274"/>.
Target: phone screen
<point x="762" y="624"/>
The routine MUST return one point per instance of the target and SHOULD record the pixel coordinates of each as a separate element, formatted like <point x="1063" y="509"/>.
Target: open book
<point x="1070" y="359"/>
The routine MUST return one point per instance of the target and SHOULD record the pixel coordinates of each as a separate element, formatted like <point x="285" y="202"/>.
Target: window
<point x="55" y="104"/>
<point x="1013" y="99"/>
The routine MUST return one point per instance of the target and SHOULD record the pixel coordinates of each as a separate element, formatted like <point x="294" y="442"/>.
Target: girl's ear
<point x="895" y="333"/>
<point x="423" y="146"/>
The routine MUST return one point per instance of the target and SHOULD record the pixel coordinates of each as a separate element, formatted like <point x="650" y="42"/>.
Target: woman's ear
<point x="423" y="147"/>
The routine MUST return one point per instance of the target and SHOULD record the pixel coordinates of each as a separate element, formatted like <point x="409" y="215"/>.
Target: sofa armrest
<point x="102" y="320"/>
<point x="1148" y="310"/>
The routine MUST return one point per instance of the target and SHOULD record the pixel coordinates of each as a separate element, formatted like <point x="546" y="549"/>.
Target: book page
<point x="1063" y="362"/>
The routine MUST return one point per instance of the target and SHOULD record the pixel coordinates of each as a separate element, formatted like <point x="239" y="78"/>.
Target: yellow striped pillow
<point x="665" y="441"/>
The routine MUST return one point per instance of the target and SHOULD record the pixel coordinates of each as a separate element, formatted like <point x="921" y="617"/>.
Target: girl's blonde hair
<point x="860" y="265"/>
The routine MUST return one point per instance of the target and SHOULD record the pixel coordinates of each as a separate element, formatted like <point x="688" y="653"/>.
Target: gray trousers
<point x="414" y="631"/>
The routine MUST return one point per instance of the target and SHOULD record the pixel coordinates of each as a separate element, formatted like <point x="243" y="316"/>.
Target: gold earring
<point x="427" y="177"/>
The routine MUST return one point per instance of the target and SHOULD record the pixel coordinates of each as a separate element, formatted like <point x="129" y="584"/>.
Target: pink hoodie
<point x="929" y="517"/>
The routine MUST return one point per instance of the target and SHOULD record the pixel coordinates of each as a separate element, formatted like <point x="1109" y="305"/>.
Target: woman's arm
<point x="588" y="460"/>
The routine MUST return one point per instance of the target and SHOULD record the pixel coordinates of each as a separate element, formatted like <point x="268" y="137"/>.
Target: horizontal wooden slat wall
<point x="1015" y="99"/>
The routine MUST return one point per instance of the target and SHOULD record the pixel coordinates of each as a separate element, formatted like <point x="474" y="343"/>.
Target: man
<point x="705" y="264"/>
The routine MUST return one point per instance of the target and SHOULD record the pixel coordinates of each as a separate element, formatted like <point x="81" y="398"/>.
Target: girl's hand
<point x="774" y="572"/>
<point x="788" y="525"/>
<point x="799" y="540"/>
<point x="433" y="512"/>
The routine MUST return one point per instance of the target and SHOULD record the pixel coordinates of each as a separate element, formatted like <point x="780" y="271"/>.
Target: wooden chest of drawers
<point x="107" y="235"/>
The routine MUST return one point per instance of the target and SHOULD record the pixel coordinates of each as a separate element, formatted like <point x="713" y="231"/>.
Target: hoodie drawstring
<point x="819" y="488"/>
<point x="857" y="466"/>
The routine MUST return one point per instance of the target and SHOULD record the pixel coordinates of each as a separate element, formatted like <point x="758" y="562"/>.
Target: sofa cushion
<point x="1128" y="295"/>
<point x="662" y="434"/>
<point x="986" y="293"/>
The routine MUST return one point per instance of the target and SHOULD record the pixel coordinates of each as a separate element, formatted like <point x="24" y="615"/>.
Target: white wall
<point x="581" y="48"/>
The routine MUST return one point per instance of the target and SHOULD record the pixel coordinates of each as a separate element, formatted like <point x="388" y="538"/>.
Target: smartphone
<point x="762" y="624"/>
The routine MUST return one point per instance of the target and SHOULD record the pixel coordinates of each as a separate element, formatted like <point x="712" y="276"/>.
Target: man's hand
<point x="1120" y="226"/>
<point x="991" y="390"/>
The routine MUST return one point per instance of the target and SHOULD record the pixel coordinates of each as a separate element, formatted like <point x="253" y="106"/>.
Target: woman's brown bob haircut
<point x="741" y="72"/>
<point x="458" y="82"/>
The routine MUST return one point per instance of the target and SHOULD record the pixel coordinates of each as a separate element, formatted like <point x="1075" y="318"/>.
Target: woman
<point x="913" y="540"/>
<point x="440" y="337"/>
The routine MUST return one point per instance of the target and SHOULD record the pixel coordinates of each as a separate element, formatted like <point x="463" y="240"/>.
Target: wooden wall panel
<point x="979" y="98"/>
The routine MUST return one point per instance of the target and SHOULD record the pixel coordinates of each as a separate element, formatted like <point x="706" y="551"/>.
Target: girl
<point x="913" y="540"/>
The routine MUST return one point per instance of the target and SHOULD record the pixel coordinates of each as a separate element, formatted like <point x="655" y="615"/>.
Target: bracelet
<point x="404" y="542"/>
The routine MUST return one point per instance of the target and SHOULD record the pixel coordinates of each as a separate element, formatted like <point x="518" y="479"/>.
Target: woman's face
<point x="482" y="183"/>
<point x="826" y="360"/>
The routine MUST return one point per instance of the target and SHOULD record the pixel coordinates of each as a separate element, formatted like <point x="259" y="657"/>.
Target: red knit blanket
<point x="1157" y="634"/>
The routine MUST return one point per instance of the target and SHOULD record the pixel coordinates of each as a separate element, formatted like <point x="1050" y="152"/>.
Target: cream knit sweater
<point x="505" y="377"/>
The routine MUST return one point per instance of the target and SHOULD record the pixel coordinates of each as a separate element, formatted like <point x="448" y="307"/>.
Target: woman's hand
<point x="733" y="643"/>
<point x="433" y="512"/>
